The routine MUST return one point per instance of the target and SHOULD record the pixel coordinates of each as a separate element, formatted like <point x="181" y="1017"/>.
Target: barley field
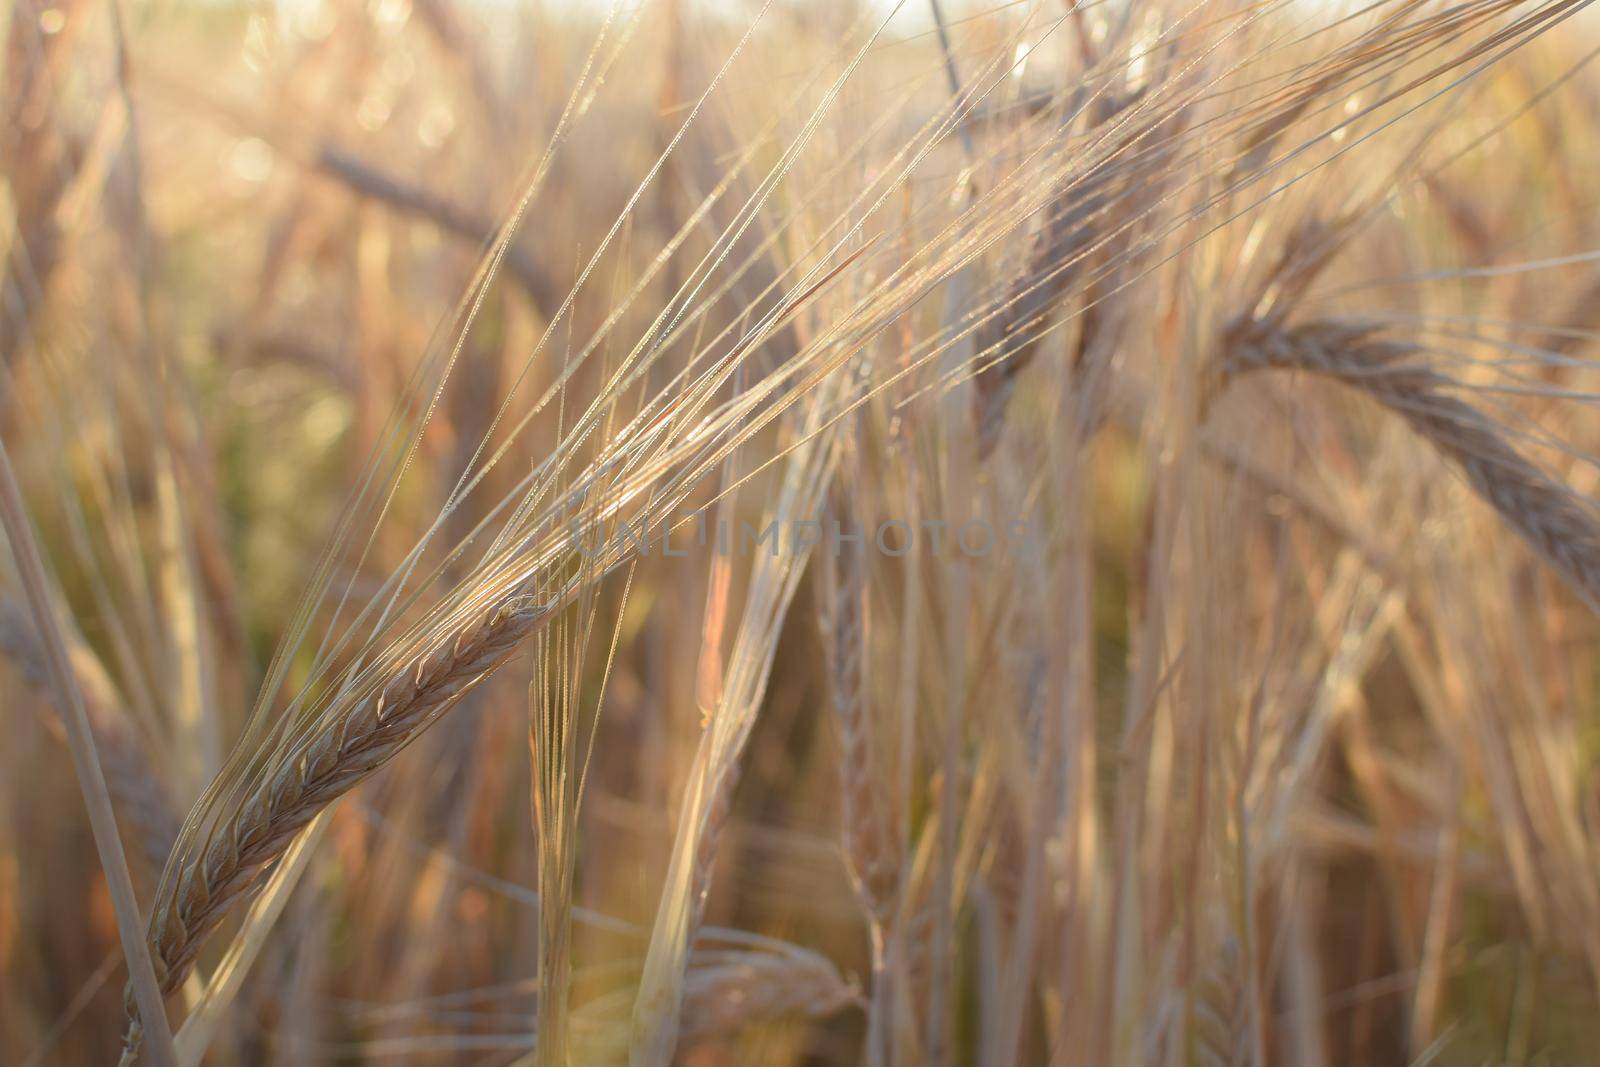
<point x="938" y="532"/>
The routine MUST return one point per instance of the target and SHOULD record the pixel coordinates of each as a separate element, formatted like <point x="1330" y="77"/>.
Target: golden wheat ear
<point x="1561" y="527"/>
<point x="871" y="850"/>
<point x="365" y="733"/>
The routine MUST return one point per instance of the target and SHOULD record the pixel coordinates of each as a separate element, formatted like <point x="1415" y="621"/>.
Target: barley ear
<point x="1561" y="527"/>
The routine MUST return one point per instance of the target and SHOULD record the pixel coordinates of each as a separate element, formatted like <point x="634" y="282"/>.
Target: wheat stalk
<point x="142" y="980"/>
<point x="773" y="583"/>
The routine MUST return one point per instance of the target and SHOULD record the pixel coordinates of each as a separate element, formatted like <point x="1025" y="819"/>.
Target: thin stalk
<point x="102" y="819"/>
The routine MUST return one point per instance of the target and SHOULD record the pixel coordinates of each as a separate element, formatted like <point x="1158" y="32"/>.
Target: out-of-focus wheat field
<point x="801" y="533"/>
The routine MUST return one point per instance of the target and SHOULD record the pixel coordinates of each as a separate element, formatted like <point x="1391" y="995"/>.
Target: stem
<point x="102" y="820"/>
